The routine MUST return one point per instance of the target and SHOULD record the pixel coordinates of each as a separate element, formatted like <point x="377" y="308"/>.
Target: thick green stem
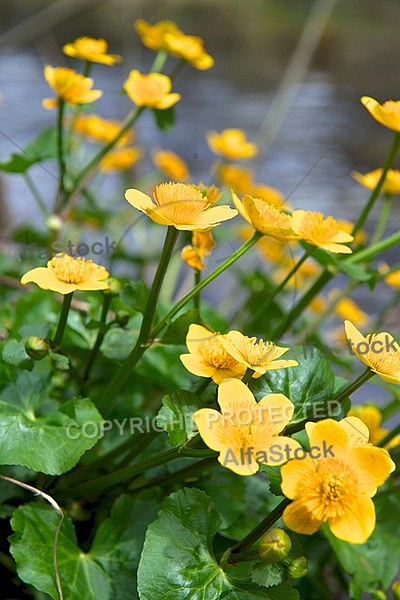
<point x="63" y="319"/>
<point x="258" y="531"/>
<point x="375" y="192"/>
<point x="200" y="286"/>
<point x="143" y="340"/>
<point x="100" y="336"/>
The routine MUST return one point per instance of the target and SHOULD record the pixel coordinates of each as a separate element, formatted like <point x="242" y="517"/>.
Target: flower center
<point x="257" y="352"/>
<point x="71" y="270"/>
<point x="318" y="227"/>
<point x="215" y="354"/>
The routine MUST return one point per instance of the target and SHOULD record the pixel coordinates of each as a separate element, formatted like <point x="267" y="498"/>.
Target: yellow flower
<point x="246" y="432"/>
<point x="120" y="159"/>
<point x="391" y="184"/>
<point x="347" y="309"/>
<point x="267" y="193"/>
<point x="69" y="86"/>
<point x="387" y="114"/>
<point x="255" y="354"/>
<point x="318" y="304"/>
<point x="236" y="178"/>
<point x="93" y="50"/>
<point x="180" y="205"/>
<point x="336" y="487"/>
<point x="102" y="130"/>
<point x="393" y="279"/>
<point x="379" y="351"/>
<point x="153" y="36"/>
<point x="171" y="165"/>
<point x="231" y="144"/>
<point x="190" y="48"/>
<point x="372" y="417"/>
<point x="202" y="245"/>
<point x="211" y="192"/>
<point x="208" y="357"/>
<point x="152" y="90"/>
<point x="265" y="217"/>
<point x="320" y="231"/>
<point x="65" y="274"/>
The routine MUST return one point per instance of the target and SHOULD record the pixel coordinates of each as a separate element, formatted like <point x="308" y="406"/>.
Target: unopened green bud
<point x="54" y="223"/>
<point x="36" y="348"/>
<point x="114" y="286"/>
<point x="379" y="595"/>
<point x="275" y="545"/>
<point x="298" y="568"/>
<point x="122" y="317"/>
<point x="396" y="590"/>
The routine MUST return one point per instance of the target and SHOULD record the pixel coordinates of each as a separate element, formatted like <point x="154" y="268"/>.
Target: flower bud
<point x="275" y="545"/>
<point x="298" y="568"/>
<point x="54" y="223"/>
<point x="122" y="317"/>
<point x="396" y="590"/>
<point x="114" y="287"/>
<point x="379" y="595"/>
<point x="36" y="348"/>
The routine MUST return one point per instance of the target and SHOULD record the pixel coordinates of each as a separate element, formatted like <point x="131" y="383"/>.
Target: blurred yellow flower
<point x="391" y="184"/>
<point x="379" y="351"/>
<point x="171" y="165"/>
<point x="238" y="179"/>
<point x="101" y="130"/>
<point x="120" y="159"/>
<point x="387" y="114"/>
<point x="393" y="279"/>
<point x="207" y="356"/>
<point x="265" y="217"/>
<point x="231" y="144"/>
<point x="337" y="486"/>
<point x="65" y="274"/>
<point x="93" y="50"/>
<point x="371" y="416"/>
<point x="255" y="354"/>
<point x="267" y="193"/>
<point x="152" y="90"/>
<point x="180" y="205"/>
<point x="348" y="310"/>
<point x="246" y="432"/>
<point x="70" y="86"/>
<point x="166" y="35"/>
<point x="318" y="304"/>
<point x="202" y="245"/>
<point x="318" y="230"/>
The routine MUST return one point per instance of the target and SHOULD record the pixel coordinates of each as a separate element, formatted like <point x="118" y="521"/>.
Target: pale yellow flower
<point x="65" y="274"/>
<point x="152" y="90"/>
<point x="231" y="144"/>
<point x="70" y="86"/>
<point x="101" y="130"/>
<point x="337" y="486"/>
<point x="255" y="354"/>
<point x="180" y="205"/>
<point x="379" y="351"/>
<point x="318" y="230"/>
<point x="93" y="50"/>
<point x="391" y="183"/>
<point x="246" y="432"/>
<point x="120" y="159"/>
<point x="387" y="114"/>
<point x="265" y="217"/>
<point x="371" y="416"/>
<point x="207" y="356"/>
<point x="171" y="165"/>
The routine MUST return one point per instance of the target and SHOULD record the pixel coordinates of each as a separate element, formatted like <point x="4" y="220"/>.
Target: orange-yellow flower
<point x="180" y="205"/>
<point x="318" y="230"/>
<point x="371" y="416"/>
<point x="391" y="184"/>
<point x="171" y="165"/>
<point x="101" y="130"/>
<point x="207" y="356"/>
<point x="387" y="114"/>
<point x="265" y="217"/>
<point x="393" y="279"/>
<point x="255" y="354"/>
<point x="153" y="36"/>
<point x="202" y="245"/>
<point x="348" y="310"/>
<point x="93" y="50"/>
<point x="379" y="351"/>
<point x="246" y="432"/>
<point x="65" y="274"/>
<point x="70" y="86"/>
<point x="152" y="90"/>
<point x="120" y="159"/>
<point x="336" y="487"/>
<point x="231" y="144"/>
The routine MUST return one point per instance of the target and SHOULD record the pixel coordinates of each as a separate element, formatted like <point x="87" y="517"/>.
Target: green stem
<point x="347" y="391"/>
<point x="382" y="219"/>
<point x="100" y="336"/>
<point x="159" y="61"/>
<point x="62" y="320"/>
<point x="200" y="286"/>
<point x="376" y="191"/>
<point x="258" y="531"/>
<point x="143" y="341"/>
<point x="372" y="251"/>
<point x="248" y="375"/>
<point x="60" y="156"/>
<point x="196" y="299"/>
<point x="36" y="194"/>
<point x="389" y="436"/>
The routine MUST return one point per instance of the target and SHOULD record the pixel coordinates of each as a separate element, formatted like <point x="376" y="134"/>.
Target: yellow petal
<point x="196" y="335"/>
<point x="326" y="433"/>
<point x="277" y="409"/>
<point x="234" y="396"/>
<point x="240" y="208"/>
<point x="297" y="517"/>
<point x="139" y="200"/>
<point x="46" y="280"/>
<point x="237" y="463"/>
<point x="294" y="473"/>
<point x="356" y="429"/>
<point x="280" y="450"/>
<point x="211" y="426"/>
<point x="213" y="216"/>
<point x="374" y="466"/>
<point x="357" y="340"/>
<point x="357" y="523"/>
<point x="196" y="365"/>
